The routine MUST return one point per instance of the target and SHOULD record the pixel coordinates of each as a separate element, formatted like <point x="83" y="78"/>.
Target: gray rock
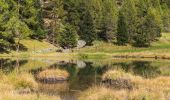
<point x="81" y="43"/>
<point x="81" y="64"/>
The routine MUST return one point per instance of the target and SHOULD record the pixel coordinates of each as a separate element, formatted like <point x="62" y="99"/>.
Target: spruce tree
<point x="67" y="38"/>
<point x="6" y="38"/>
<point x="109" y="20"/>
<point x="130" y="16"/>
<point x="95" y="7"/>
<point x="148" y="29"/>
<point x="166" y="18"/>
<point x="87" y="29"/>
<point x="122" y="36"/>
<point x="18" y="29"/>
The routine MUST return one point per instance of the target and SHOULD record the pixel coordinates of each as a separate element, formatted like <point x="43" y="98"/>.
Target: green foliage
<point x="126" y="21"/>
<point x="67" y="38"/>
<point x="5" y="37"/>
<point x="87" y="29"/>
<point x="148" y="29"/>
<point x="122" y="36"/>
<point x="109" y="20"/>
<point x="166" y="18"/>
<point x="129" y="12"/>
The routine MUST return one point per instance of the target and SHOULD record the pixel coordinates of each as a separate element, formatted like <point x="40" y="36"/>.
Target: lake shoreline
<point x="143" y="55"/>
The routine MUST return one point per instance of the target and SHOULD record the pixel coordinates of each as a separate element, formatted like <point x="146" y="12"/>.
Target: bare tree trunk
<point x="18" y="46"/>
<point x="17" y="64"/>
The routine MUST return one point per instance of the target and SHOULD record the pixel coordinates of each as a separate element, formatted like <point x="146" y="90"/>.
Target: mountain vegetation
<point x="64" y="22"/>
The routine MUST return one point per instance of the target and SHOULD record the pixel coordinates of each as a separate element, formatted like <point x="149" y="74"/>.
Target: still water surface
<point x="83" y="74"/>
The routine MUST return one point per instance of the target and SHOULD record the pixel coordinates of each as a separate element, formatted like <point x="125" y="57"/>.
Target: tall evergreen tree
<point x="15" y="25"/>
<point x="87" y="29"/>
<point x="109" y="20"/>
<point x="58" y="17"/>
<point x="72" y="15"/>
<point x="67" y="38"/>
<point x="130" y="16"/>
<point x="166" y="18"/>
<point x="122" y="36"/>
<point x="95" y="7"/>
<point x="148" y="29"/>
<point x="5" y="37"/>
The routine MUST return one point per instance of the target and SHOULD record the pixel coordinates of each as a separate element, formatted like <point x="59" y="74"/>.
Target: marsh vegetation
<point x="99" y="79"/>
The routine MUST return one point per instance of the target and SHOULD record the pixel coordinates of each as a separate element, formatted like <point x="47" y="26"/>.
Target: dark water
<point x="83" y="74"/>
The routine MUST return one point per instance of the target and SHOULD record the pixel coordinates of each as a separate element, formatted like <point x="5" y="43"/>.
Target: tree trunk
<point x="18" y="46"/>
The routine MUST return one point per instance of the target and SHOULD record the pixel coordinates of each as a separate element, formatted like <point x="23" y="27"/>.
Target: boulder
<point x="81" y="43"/>
<point x="81" y="64"/>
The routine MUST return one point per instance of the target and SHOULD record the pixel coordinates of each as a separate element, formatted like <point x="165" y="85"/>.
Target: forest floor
<point x="33" y="48"/>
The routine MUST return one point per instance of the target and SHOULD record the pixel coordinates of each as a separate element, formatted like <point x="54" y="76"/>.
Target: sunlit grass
<point x="35" y="45"/>
<point x="103" y="93"/>
<point x="12" y="83"/>
<point x="53" y="73"/>
<point x="143" y="89"/>
<point x="162" y="44"/>
<point x="19" y="80"/>
<point x="98" y="50"/>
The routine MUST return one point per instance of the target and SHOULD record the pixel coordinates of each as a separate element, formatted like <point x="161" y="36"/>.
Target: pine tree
<point x="72" y="14"/>
<point x="32" y="16"/>
<point x="95" y="7"/>
<point x="6" y="38"/>
<point x="109" y="20"/>
<point x="130" y="16"/>
<point x="166" y="18"/>
<point x="87" y="29"/>
<point x="58" y="17"/>
<point x="122" y="36"/>
<point x="18" y="29"/>
<point x="16" y="25"/>
<point x="148" y="29"/>
<point x="67" y="38"/>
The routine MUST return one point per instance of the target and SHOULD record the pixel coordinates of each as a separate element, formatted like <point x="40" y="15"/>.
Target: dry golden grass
<point x="144" y="89"/>
<point x="113" y="74"/>
<point x="21" y="80"/>
<point x="160" y="83"/>
<point x="102" y="93"/>
<point x="9" y="85"/>
<point x="14" y="96"/>
<point x="53" y="73"/>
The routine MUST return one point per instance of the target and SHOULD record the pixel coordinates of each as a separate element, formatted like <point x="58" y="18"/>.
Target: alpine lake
<point x="83" y="74"/>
